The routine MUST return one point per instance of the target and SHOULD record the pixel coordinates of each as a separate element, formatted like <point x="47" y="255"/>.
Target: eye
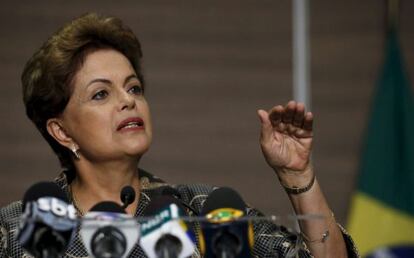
<point x="136" y="90"/>
<point x="100" y="95"/>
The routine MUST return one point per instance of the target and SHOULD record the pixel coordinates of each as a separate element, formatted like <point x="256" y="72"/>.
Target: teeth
<point x="132" y="124"/>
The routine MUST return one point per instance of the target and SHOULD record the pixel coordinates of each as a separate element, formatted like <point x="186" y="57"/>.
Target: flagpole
<point x="301" y="73"/>
<point x="301" y="56"/>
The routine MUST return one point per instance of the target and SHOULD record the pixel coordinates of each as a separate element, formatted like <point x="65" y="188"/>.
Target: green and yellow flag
<point x="382" y="209"/>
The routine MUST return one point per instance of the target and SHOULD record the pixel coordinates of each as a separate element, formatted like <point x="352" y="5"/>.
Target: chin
<point x="139" y="149"/>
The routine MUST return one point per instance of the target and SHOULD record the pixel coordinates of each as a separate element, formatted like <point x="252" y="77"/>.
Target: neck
<point x="97" y="182"/>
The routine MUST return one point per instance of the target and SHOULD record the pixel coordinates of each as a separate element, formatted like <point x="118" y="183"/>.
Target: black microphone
<point x="127" y="196"/>
<point x="108" y="232"/>
<point x="170" y="191"/>
<point x="48" y="223"/>
<point x="164" y="234"/>
<point x="226" y="234"/>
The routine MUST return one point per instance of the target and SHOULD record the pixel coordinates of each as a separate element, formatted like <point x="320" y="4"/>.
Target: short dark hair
<point x="48" y="75"/>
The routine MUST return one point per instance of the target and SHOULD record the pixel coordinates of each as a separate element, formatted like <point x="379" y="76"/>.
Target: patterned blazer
<point x="270" y="240"/>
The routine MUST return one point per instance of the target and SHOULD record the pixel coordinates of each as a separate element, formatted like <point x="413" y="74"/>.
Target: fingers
<point x="308" y="122"/>
<point x="276" y="115"/>
<point x="289" y="113"/>
<point x="267" y="128"/>
<point x="299" y="115"/>
<point x="291" y="117"/>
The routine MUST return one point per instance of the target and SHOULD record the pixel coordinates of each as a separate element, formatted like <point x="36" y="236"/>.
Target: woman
<point x="84" y="91"/>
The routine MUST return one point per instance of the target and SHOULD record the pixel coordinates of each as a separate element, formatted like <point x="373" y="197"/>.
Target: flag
<point x="382" y="208"/>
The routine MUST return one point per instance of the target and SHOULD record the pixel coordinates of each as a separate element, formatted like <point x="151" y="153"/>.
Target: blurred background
<point x="209" y="66"/>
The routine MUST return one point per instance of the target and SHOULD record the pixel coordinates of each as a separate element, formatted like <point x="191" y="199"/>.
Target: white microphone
<point x="107" y="232"/>
<point x="164" y="234"/>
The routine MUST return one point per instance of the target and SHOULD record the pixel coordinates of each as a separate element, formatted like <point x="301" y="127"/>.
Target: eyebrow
<point x="106" y="81"/>
<point x="130" y="77"/>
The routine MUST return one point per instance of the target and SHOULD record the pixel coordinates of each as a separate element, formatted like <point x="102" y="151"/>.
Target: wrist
<point x="296" y="180"/>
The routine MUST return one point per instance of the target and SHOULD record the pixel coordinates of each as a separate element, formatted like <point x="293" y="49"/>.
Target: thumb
<point x="267" y="128"/>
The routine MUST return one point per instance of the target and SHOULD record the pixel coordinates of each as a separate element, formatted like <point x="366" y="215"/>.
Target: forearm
<point x="314" y="202"/>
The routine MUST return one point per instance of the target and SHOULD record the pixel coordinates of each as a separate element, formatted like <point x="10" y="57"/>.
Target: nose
<point x="126" y="101"/>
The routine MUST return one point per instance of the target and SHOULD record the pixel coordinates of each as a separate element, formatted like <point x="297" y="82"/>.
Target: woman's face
<point x="107" y="116"/>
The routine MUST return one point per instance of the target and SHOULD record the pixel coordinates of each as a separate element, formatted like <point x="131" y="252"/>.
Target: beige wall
<point x="209" y="66"/>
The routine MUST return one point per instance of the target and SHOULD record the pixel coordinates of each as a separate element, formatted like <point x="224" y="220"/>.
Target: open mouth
<point x="131" y="123"/>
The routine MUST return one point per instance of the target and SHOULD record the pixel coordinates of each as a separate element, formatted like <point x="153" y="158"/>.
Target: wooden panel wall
<point x="209" y="66"/>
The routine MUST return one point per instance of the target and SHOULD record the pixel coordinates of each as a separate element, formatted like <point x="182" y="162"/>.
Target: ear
<point x="57" y="131"/>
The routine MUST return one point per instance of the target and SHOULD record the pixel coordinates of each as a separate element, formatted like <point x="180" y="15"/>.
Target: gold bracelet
<point x="297" y="190"/>
<point x="325" y="235"/>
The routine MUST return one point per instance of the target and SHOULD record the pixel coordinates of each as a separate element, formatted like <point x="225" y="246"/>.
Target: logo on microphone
<point x="170" y="213"/>
<point x="165" y="234"/>
<point x="57" y="207"/>
<point x="224" y="215"/>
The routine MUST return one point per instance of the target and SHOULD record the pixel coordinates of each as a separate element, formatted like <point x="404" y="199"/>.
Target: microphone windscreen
<point x="159" y="203"/>
<point x="107" y="206"/>
<point x="223" y="197"/>
<point x="127" y="194"/>
<point x="43" y="189"/>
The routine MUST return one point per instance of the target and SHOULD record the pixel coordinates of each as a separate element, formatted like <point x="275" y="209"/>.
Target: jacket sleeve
<point x="272" y="240"/>
<point x="9" y="223"/>
<point x="350" y="245"/>
<point x="3" y="237"/>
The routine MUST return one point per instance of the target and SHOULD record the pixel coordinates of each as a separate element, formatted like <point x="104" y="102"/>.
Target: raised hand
<point x="286" y="141"/>
<point x="286" y="137"/>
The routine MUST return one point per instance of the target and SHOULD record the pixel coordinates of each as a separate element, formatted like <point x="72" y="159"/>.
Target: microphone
<point x="108" y="232"/>
<point x="48" y="223"/>
<point x="164" y="234"/>
<point x="170" y="191"/>
<point x="225" y="234"/>
<point x="127" y="196"/>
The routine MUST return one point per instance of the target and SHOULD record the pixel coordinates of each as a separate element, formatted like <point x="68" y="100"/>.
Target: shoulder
<point x="9" y="223"/>
<point x="10" y="213"/>
<point x="194" y="194"/>
<point x="195" y="190"/>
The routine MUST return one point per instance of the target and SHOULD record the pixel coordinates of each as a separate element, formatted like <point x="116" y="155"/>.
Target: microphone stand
<point x="168" y="246"/>
<point x="165" y="253"/>
<point x="226" y="252"/>
<point x="49" y="253"/>
<point x="226" y="245"/>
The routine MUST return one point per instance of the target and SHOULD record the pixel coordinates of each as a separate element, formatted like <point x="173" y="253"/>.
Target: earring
<point x="76" y="152"/>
